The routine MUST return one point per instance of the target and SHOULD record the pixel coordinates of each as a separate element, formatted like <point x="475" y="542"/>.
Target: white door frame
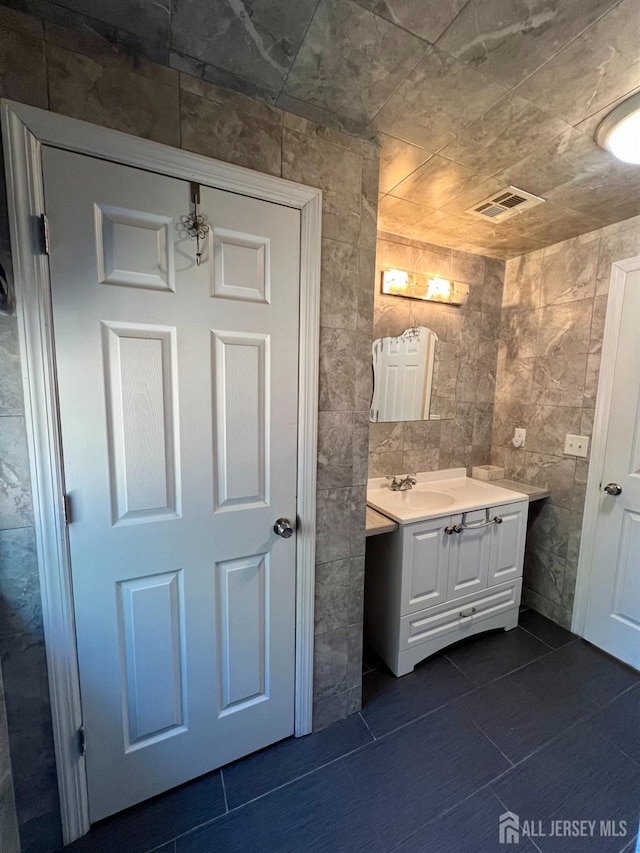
<point x="619" y="272"/>
<point x="25" y="129"/>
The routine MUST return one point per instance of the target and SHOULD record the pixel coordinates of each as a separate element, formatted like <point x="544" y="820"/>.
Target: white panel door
<point x="426" y="554"/>
<point x="178" y="410"/>
<point x="613" y="613"/>
<point x="507" y="541"/>
<point x="402" y="388"/>
<point x="469" y="558"/>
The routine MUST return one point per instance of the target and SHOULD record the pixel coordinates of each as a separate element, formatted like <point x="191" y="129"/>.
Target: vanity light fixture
<point x="413" y="285"/>
<point x="619" y="132"/>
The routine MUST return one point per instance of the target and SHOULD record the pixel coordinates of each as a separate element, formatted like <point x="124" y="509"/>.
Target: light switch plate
<point x="576" y="445"/>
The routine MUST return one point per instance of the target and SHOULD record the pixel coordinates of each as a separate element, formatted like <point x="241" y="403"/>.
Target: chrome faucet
<point x="402" y="484"/>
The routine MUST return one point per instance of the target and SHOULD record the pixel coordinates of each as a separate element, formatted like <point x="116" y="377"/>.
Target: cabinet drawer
<point x="454" y="615"/>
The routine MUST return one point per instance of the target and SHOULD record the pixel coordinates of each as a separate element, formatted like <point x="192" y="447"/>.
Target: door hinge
<point x="66" y="509"/>
<point x="44" y="233"/>
<point x="82" y="744"/>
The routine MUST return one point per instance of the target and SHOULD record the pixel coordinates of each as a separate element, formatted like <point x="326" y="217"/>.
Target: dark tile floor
<point x="533" y="720"/>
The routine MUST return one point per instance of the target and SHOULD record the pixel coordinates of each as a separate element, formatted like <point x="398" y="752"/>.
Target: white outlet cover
<point x="576" y="445"/>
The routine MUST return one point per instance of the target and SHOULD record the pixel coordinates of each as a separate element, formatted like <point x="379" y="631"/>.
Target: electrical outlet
<point x="576" y="445"/>
<point x="519" y="436"/>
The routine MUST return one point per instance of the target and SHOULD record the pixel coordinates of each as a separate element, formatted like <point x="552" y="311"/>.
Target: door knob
<point x="613" y="489"/>
<point x="283" y="528"/>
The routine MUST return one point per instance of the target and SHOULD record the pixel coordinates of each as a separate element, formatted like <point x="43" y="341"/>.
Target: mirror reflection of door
<point x="403" y="375"/>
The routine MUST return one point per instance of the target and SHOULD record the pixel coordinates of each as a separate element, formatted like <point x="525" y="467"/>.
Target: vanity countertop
<point x="437" y="494"/>
<point x="378" y="523"/>
<point x="534" y="493"/>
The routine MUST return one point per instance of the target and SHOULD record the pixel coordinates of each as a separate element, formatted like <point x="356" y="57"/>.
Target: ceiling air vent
<point x="505" y="204"/>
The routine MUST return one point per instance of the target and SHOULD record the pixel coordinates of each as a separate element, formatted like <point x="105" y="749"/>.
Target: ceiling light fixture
<point x="619" y="132"/>
<point x="428" y="288"/>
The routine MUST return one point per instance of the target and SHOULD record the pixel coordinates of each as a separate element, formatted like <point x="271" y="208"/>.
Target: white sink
<point x="437" y="493"/>
<point x="419" y="499"/>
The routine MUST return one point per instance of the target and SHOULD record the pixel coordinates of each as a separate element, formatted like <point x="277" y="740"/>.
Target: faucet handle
<point x="412" y="478"/>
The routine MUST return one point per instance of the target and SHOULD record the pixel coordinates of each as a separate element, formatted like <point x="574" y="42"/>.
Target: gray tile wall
<point x="552" y="325"/>
<point x="81" y="76"/>
<point x="468" y="351"/>
<point x="9" y="842"/>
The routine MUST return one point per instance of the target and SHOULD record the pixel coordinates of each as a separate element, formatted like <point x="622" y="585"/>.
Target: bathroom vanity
<point x="451" y="569"/>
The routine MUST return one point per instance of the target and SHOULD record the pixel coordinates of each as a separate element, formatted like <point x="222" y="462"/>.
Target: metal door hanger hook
<point x="196" y="222"/>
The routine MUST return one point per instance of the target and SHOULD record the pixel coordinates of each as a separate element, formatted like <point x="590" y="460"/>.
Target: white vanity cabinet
<point x="431" y="583"/>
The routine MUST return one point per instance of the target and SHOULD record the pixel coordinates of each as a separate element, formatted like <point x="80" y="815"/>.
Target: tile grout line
<point x="224" y="791"/>
<point x="427" y="713"/>
<point x="504" y="806"/>
<point x="544" y="643"/>
<point x="367" y="725"/>
<point x="280" y="787"/>
<point x="586" y="718"/>
<point x="513" y="765"/>
<point x="484" y="734"/>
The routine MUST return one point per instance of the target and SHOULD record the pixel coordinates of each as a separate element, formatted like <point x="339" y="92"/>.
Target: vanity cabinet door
<point x="425" y="549"/>
<point x="469" y="557"/>
<point x="507" y="542"/>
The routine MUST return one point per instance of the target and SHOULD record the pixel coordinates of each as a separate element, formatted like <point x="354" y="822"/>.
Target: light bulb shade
<point x="619" y="132"/>
<point x="414" y="285"/>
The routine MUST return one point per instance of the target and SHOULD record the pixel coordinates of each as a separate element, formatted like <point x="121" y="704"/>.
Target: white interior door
<point x="402" y="386"/>
<point x="613" y="612"/>
<point x="179" y="454"/>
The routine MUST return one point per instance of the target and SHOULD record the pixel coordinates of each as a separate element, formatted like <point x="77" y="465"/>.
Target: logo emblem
<point x="509" y="828"/>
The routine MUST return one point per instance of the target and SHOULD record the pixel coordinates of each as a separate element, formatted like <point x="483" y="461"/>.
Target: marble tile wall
<point x="467" y="350"/>
<point x="76" y="74"/>
<point x="553" y="316"/>
<point x="9" y="841"/>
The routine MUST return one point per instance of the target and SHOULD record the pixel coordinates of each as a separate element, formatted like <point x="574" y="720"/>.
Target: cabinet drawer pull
<point x="468" y="613"/>
<point x="464" y="526"/>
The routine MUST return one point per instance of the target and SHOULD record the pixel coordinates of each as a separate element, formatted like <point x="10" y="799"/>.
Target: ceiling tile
<point x="472" y="234"/>
<point x="438" y="99"/>
<point x="590" y="125"/>
<point x="212" y="74"/>
<point x="318" y="115"/>
<point x="351" y="60"/>
<point x="256" y="40"/>
<point x="616" y="207"/>
<point x="552" y="223"/>
<point x="398" y="159"/>
<point x="436" y="182"/>
<point x="481" y="190"/>
<point x="427" y="19"/>
<point x="595" y="69"/>
<point x="589" y="191"/>
<point x="509" y="39"/>
<point x="398" y="216"/>
<point x="504" y="134"/>
<point x="149" y="20"/>
<point x="557" y="162"/>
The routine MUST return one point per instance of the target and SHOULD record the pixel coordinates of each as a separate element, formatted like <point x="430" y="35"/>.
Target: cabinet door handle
<point x="495" y="520"/>
<point x="468" y="613"/>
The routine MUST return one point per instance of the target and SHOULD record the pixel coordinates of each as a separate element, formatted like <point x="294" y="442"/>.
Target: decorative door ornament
<point x="196" y="222"/>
